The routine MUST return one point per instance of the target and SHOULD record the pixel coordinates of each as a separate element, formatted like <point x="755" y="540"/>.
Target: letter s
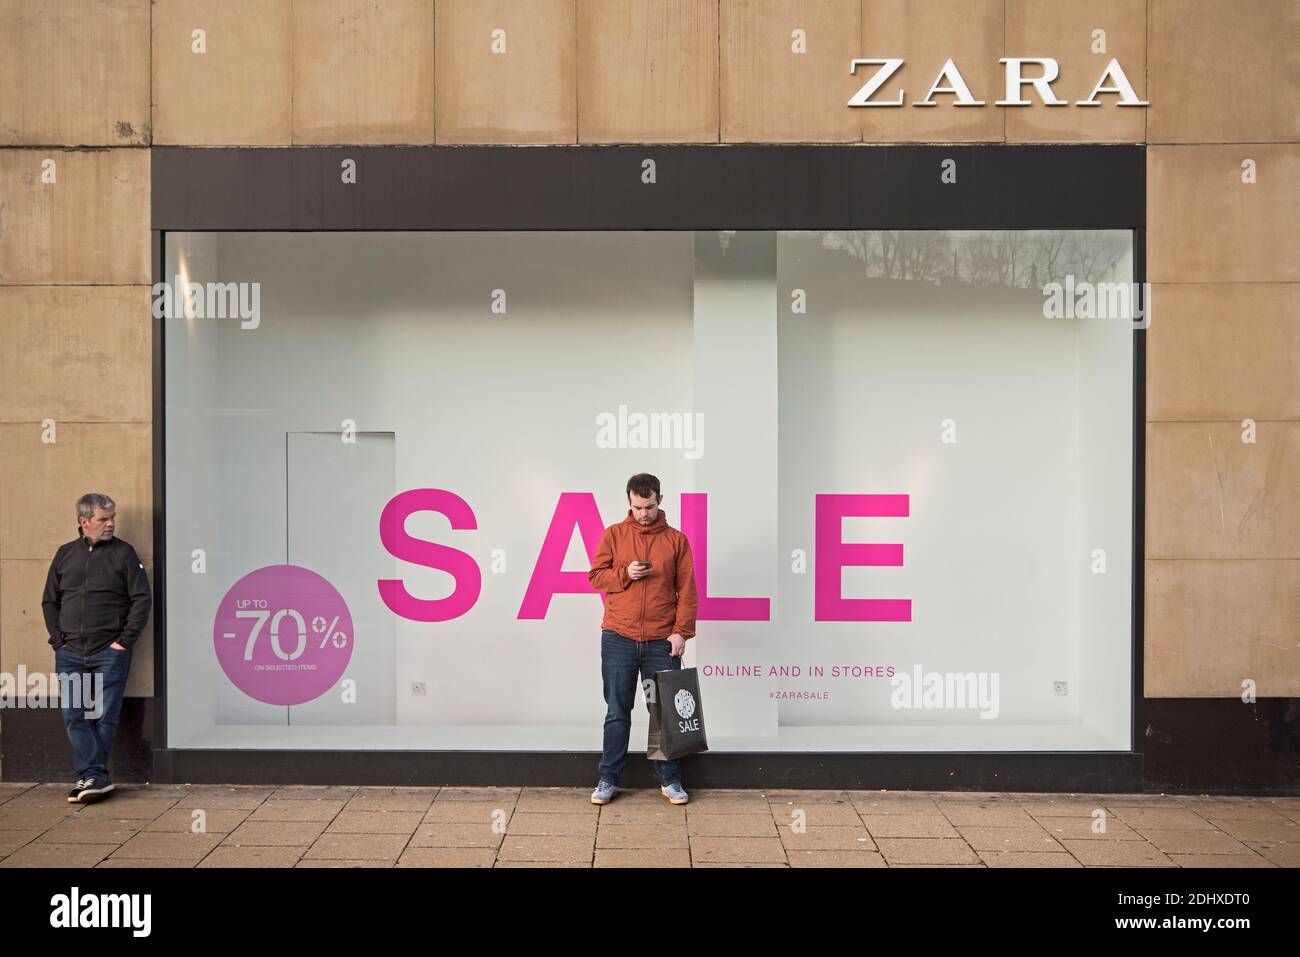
<point x="462" y="567"/>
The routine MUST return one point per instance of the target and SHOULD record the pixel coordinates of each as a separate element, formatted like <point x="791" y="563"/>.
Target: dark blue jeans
<point x="92" y="720"/>
<point x="621" y="661"/>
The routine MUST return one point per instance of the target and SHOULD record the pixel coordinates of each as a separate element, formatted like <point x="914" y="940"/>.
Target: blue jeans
<point x="92" y="720"/>
<point x="621" y="660"/>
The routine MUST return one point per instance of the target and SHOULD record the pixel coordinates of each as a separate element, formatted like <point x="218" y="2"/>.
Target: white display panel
<point x="875" y="370"/>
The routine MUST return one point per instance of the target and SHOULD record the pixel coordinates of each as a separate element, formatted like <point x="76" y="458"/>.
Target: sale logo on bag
<point x="684" y="702"/>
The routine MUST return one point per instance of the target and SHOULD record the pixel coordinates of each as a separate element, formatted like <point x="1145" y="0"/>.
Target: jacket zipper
<point x="647" y="558"/>
<point x="85" y="582"/>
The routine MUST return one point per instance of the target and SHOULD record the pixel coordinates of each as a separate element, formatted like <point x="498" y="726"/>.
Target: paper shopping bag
<point x="676" y="716"/>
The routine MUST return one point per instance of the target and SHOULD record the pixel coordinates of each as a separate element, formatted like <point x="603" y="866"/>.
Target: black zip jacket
<point x="95" y="595"/>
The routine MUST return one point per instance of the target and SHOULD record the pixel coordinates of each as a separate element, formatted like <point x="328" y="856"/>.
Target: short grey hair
<point x="87" y="504"/>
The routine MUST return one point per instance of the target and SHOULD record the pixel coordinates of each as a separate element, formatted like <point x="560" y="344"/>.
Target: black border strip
<point x="157" y="250"/>
<point x="556" y="188"/>
<point x="1138" y="588"/>
<point x="1075" y="772"/>
<point x="695" y="187"/>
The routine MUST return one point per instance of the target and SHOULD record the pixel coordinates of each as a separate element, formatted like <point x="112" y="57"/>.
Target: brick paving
<point x="165" y="825"/>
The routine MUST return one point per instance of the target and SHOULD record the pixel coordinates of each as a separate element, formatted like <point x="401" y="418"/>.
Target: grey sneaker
<point x="674" y="793"/>
<point x="604" y="792"/>
<point x="74" y="796"/>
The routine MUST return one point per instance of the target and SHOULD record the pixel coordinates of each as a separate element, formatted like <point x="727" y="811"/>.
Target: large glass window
<point x="904" y="461"/>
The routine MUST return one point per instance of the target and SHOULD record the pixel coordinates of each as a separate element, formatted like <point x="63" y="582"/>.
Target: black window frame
<point x="698" y="187"/>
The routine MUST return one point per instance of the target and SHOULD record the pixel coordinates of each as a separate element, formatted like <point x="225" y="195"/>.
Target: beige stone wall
<point x="74" y="296"/>
<point x="88" y="87"/>
<point x="1223" y="516"/>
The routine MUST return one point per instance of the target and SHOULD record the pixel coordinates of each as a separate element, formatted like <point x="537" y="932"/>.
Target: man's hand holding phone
<point x="638" y="570"/>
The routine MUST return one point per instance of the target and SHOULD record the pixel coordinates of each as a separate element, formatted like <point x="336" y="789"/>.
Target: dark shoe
<point x="74" y="796"/>
<point x="96" y="790"/>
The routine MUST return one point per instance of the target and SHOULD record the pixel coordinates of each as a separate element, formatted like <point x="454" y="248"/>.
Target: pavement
<point x="178" y="825"/>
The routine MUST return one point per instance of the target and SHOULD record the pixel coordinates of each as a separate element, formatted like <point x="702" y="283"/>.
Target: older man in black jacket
<point x="96" y="603"/>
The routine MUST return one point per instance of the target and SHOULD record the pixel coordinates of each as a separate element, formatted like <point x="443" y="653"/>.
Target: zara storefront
<point x="892" y="394"/>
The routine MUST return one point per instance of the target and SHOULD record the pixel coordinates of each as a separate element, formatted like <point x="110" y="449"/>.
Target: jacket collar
<point x="658" y="525"/>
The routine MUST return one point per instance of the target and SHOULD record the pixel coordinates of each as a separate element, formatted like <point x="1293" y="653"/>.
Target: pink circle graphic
<point x="283" y="634"/>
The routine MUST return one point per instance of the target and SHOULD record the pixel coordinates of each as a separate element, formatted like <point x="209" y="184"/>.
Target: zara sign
<point x="950" y="80"/>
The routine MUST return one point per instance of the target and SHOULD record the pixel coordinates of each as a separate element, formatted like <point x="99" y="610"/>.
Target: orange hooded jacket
<point x="658" y="605"/>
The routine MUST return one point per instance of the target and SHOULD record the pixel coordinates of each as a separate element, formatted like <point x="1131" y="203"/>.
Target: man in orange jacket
<point x="645" y="569"/>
